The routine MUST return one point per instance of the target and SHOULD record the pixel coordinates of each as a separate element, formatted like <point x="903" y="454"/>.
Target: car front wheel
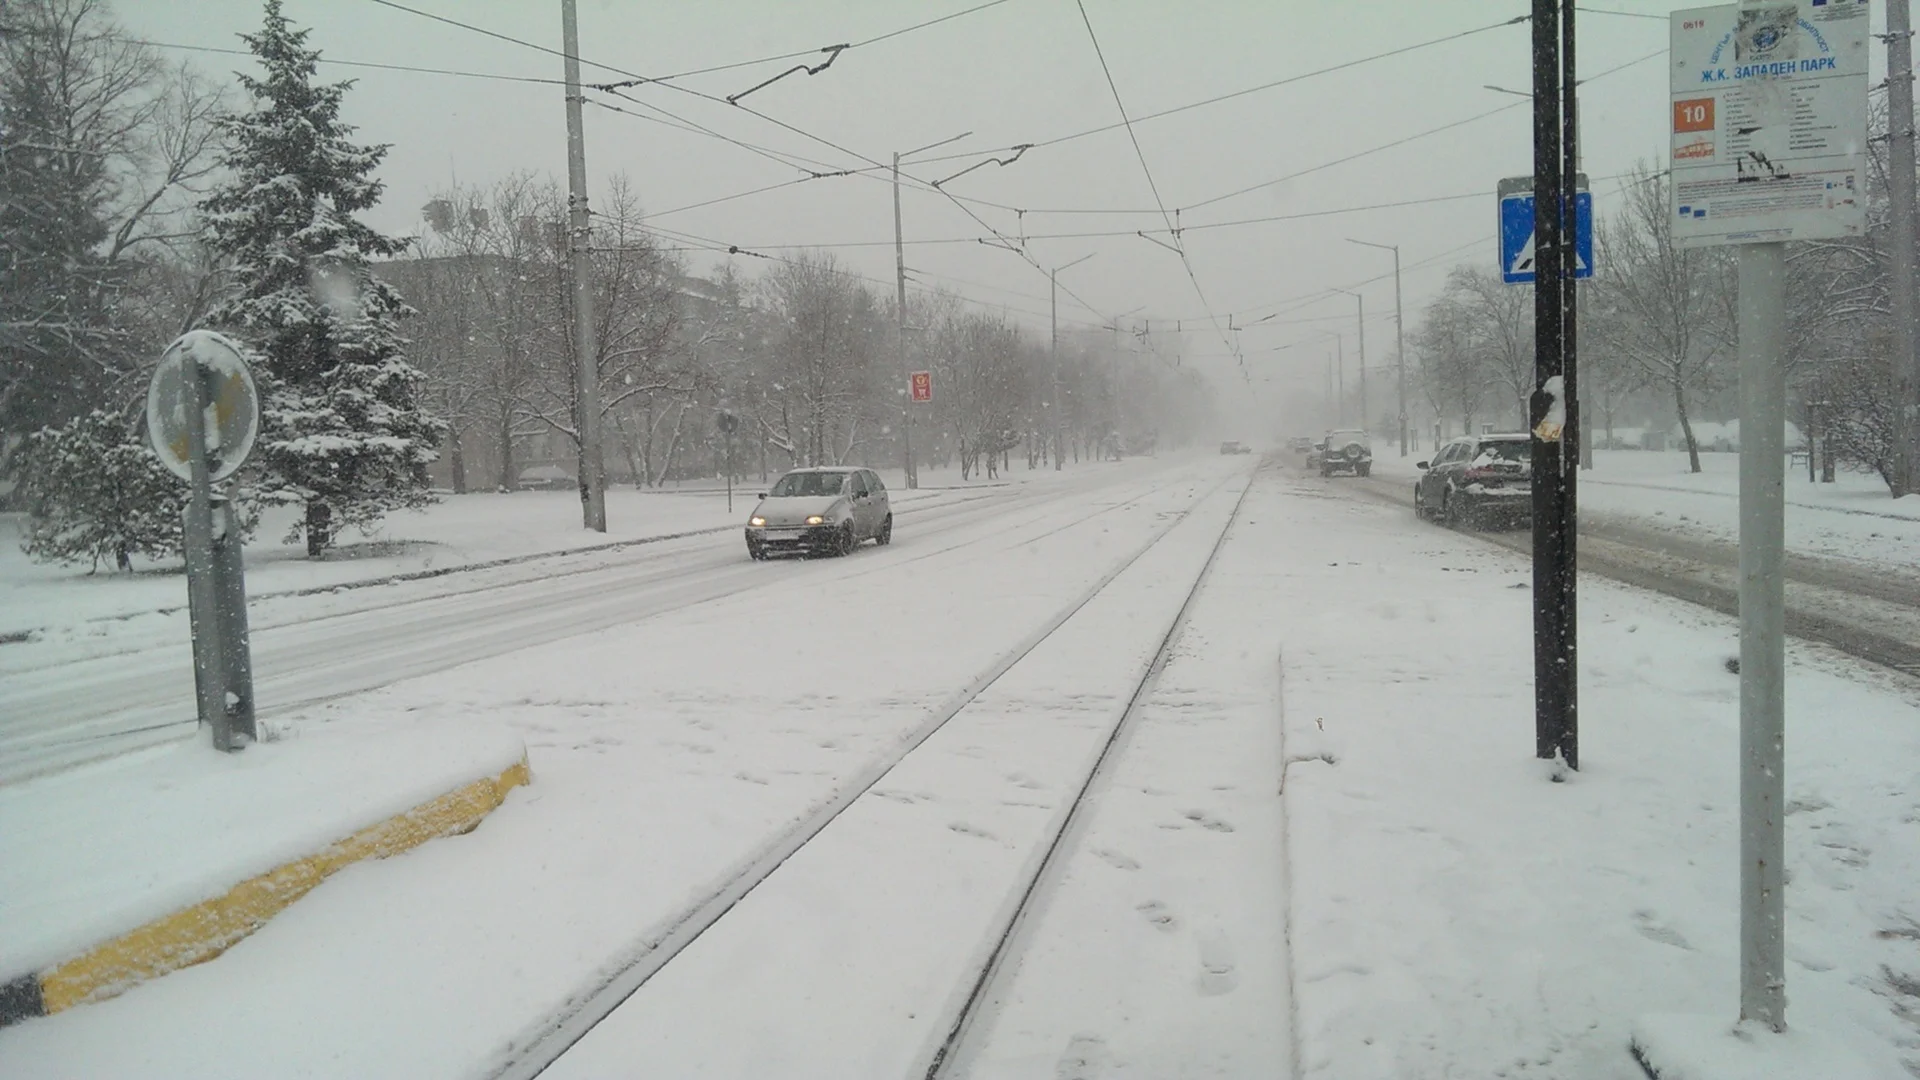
<point x="848" y="538"/>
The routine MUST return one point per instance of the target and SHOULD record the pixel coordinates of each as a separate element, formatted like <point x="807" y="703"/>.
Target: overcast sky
<point x="1020" y="71"/>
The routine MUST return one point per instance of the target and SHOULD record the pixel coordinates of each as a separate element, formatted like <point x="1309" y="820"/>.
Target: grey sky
<point x="1022" y="71"/>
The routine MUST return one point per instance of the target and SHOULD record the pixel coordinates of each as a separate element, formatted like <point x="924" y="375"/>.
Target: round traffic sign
<point x="228" y="398"/>
<point x="727" y="423"/>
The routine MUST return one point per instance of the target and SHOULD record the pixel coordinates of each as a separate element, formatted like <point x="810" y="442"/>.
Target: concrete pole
<point x="900" y="334"/>
<point x="1400" y="348"/>
<point x="1903" y="225"/>
<point x="1340" y="371"/>
<point x="1763" y="397"/>
<point x="586" y="351"/>
<point x="1360" y="321"/>
<point x="1053" y="356"/>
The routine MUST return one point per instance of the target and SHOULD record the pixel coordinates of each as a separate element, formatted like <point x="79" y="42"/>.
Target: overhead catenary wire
<point x="1147" y="170"/>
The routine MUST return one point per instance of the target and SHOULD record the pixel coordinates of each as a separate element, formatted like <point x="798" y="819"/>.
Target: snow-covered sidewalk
<point x="124" y="870"/>
<point x="1457" y="914"/>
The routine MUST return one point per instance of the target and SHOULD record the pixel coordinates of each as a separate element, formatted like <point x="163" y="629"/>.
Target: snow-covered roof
<point x="827" y="469"/>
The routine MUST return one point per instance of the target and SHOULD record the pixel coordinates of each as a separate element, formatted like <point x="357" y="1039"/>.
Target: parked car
<point x="544" y="478"/>
<point x="1235" y="448"/>
<point x="1478" y="480"/>
<point x="1348" y="451"/>
<point x="820" y="511"/>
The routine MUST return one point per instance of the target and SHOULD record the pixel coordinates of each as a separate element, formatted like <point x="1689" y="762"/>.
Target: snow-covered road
<point x="60" y="705"/>
<point x="672" y="758"/>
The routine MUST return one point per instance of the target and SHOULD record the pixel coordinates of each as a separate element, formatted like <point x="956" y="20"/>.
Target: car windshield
<point x="748" y="596"/>
<point x="809" y="485"/>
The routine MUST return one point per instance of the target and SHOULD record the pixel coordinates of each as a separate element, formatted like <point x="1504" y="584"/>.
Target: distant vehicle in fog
<point x="820" y="511"/>
<point x="1479" y="481"/>
<point x="1348" y="450"/>
<point x="1235" y="448"/>
<point x="1301" y="444"/>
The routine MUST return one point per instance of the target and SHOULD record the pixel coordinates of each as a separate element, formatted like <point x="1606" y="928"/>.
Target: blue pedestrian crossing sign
<point x="1516" y="230"/>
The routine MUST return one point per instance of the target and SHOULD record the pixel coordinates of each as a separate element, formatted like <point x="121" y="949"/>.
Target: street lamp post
<point x="1053" y="349"/>
<point x="1399" y="336"/>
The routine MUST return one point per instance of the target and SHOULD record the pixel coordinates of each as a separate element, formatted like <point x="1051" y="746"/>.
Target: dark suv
<point x="1478" y="480"/>
<point x="1349" y="451"/>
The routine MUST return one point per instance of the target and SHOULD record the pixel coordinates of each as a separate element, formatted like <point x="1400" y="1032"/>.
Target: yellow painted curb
<point x="207" y="929"/>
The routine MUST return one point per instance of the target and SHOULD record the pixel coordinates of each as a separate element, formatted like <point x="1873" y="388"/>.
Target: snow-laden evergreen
<point x="95" y="493"/>
<point x="344" y="430"/>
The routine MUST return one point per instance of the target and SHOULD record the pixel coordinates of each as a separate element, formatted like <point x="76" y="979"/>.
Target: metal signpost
<point x="1769" y="132"/>
<point x="203" y="415"/>
<point x="728" y="424"/>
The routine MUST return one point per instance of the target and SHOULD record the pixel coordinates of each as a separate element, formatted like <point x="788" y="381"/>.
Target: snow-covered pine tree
<point x="344" y="432"/>
<point x="94" y="491"/>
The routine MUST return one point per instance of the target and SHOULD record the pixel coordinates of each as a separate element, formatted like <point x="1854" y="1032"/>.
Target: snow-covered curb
<point x="122" y="872"/>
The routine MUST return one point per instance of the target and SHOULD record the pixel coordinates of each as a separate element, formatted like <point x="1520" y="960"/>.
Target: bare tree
<point x="1663" y="307"/>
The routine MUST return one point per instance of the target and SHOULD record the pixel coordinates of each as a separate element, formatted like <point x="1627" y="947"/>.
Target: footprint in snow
<point x="1207" y="821"/>
<point x="1159" y="915"/>
<point x="1085" y="1058"/>
<point x="1649" y="926"/>
<point x="1117" y="860"/>
<point x="1218" y="973"/>
<point x="965" y="829"/>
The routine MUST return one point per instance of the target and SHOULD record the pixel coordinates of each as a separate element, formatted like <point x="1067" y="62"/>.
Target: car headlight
<point x="756" y="520"/>
<point x="816" y="520"/>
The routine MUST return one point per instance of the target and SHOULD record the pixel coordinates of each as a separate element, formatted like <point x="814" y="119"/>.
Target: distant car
<point x="820" y="511"/>
<point x="1235" y="448"/>
<point x="1348" y="451"/>
<point x="1479" y="481"/>
<point x="544" y="478"/>
<point x="1301" y="445"/>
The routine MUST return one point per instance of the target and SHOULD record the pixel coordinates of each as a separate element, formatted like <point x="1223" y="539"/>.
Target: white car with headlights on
<point x="820" y="511"/>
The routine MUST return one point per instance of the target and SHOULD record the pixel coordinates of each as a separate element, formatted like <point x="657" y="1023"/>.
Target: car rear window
<point x="1518" y="451"/>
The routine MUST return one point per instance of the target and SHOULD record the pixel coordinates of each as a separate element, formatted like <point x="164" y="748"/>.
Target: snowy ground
<point x="1421" y="902"/>
<point x="457" y="531"/>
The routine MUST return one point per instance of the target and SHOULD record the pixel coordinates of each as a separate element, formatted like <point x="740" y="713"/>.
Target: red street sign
<point x="922" y="386"/>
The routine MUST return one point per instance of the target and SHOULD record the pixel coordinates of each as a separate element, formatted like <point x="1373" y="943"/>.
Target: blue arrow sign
<point x="1516" y="236"/>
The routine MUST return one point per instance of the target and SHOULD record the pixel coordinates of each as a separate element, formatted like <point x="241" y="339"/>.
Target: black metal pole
<point x="1570" y="370"/>
<point x="1551" y="667"/>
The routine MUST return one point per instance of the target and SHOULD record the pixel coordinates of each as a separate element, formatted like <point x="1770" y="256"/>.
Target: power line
<point x="352" y="63"/>
<point x="1178" y="246"/>
<point x="1407" y="139"/>
<point x="1401" y="51"/>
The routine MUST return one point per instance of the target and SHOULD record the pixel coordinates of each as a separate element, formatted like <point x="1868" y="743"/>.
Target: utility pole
<point x="1551" y="412"/>
<point x="900" y="334"/>
<point x="1360" y="322"/>
<point x="1053" y="356"/>
<point x="1059" y="409"/>
<point x="1399" y="337"/>
<point x="586" y="394"/>
<point x="1900" y="170"/>
<point x="1340" y="371"/>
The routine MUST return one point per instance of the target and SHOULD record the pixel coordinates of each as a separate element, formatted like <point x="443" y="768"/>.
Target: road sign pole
<point x="203" y="596"/>
<point x="230" y="589"/>
<point x="1553" y="636"/>
<point x="1763" y="395"/>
